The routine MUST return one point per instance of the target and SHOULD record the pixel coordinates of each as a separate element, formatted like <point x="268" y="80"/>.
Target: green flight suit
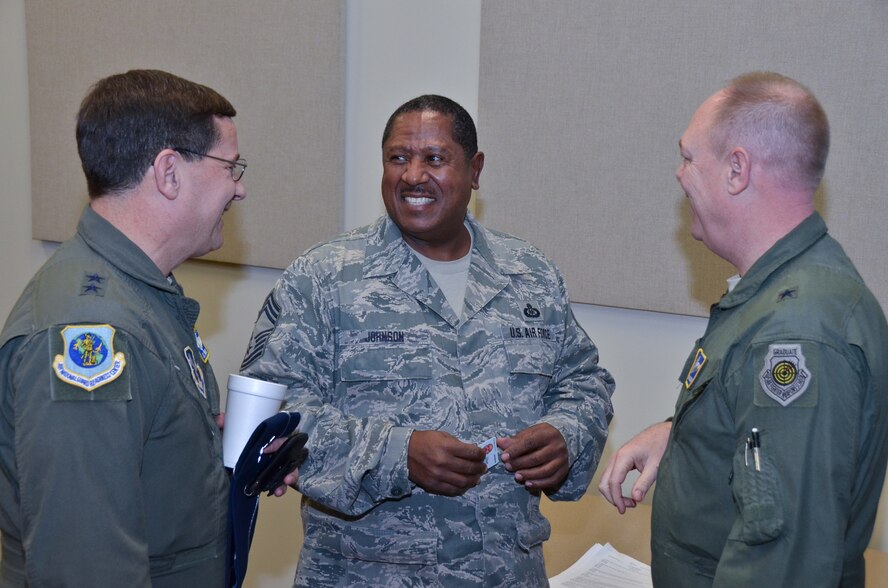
<point x="798" y="350"/>
<point x="110" y="456"/>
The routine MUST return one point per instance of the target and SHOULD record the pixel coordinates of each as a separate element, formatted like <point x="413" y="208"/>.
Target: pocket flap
<point x="533" y="532"/>
<point x="397" y="547"/>
<point x="384" y="355"/>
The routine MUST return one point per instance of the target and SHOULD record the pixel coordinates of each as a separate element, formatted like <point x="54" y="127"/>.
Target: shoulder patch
<point x="265" y="324"/>
<point x="696" y="366"/>
<point x="196" y="373"/>
<point x="201" y="348"/>
<point x="784" y="376"/>
<point x="88" y="359"/>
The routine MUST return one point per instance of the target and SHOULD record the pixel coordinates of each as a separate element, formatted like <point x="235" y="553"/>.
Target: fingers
<point x="531" y="446"/>
<point x="643" y="453"/>
<point x="289" y="480"/>
<point x="442" y="464"/>
<point x="611" y="487"/>
<point x="538" y="457"/>
<point x="644" y="483"/>
<point x="274" y="445"/>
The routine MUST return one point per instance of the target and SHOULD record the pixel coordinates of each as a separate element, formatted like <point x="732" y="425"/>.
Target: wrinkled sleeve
<point x="578" y="403"/>
<point x="78" y="470"/>
<point x="354" y="463"/>
<point x="808" y="451"/>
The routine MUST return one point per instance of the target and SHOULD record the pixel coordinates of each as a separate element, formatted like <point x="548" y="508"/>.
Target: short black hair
<point x="127" y="119"/>
<point x="462" y="126"/>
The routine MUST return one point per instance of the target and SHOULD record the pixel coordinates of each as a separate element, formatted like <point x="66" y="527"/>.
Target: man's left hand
<point x="537" y="456"/>
<point x="291" y="478"/>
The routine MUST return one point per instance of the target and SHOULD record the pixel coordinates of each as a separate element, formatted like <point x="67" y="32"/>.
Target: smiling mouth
<point x="418" y="200"/>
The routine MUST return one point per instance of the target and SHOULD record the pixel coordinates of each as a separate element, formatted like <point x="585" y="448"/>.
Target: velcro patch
<point x="784" y="376"/>
<point x="196" y="373"/>
<point x="84" y="360"/>
<point x="268" y="318"/>
<point x="201" y="348"/>
<point x="530" y="309"/>
<point x="525" y="332"/>
<point x="694" y="371"/>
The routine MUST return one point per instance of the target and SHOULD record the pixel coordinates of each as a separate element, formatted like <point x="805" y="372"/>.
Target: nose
<point x="414" y="172"/>
<point x="240" y="192"/>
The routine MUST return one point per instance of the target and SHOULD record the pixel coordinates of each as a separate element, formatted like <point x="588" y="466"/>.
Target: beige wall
<point x="231" y="295"/>
<point x="281" y="66"/>
<point x="583" y="105"/>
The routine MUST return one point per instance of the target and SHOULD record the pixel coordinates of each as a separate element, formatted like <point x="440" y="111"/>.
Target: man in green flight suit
<point x="110" y="446"/>
<point x="770" y="471"/>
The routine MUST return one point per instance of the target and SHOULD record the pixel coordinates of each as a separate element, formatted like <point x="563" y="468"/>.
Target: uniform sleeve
<point x="353" y="463"/>
<point x="578" y="404"/>
<point x="77" y="456"/>
<point x="804" y="397"/>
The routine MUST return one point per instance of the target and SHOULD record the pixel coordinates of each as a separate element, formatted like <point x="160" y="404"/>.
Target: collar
<point x="494" y="259"/>
<point x="387" y="252"/>
<point x="808" y="232"/>
<point x="108" y="242"/>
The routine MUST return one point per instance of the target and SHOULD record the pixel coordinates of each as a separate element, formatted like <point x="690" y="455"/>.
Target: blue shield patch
<point x="694" y="371"/>
<point x="89" y="360"/>
<point x="201" y="348"/>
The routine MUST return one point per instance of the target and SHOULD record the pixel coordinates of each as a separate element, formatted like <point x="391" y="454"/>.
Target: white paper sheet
<point x="602" y="566"/>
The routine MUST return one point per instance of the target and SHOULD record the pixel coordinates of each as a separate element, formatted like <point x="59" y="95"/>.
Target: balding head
<point x="777" y="119"/>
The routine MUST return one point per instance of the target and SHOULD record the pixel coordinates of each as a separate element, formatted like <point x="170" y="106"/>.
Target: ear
<point x="738" y="176"/>
<point x="477" y="164"/>
<point x="167" y="173"/>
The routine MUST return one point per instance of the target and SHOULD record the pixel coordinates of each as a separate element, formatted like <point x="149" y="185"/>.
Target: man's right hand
<point x="439" y="463"/>
<point x="643" y="453"/>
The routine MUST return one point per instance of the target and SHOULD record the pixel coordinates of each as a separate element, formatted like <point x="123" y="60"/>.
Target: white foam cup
<point x="250" y="401"/>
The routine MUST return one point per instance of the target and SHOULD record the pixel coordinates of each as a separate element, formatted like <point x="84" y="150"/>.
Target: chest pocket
<point x="531" y="350"/>
<point x="384" y="355"/>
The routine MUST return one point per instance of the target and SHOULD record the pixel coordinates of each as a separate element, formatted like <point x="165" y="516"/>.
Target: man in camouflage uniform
<point x="405" y="345"/>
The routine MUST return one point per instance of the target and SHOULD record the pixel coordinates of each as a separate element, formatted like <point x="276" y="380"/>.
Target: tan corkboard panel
<point x="582" y="104"/>
<point x="280" y="62"/>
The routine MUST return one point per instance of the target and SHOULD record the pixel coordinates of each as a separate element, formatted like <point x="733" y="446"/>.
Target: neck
<point x="764" y="232"/>
<point x="138" y="223"/>
<point x="451" y="250"/>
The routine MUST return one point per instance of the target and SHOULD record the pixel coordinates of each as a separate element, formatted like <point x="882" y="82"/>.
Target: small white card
<point x="491" y="452"/>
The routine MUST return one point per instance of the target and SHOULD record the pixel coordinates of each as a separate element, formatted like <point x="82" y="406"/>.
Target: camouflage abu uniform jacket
<point x="371" y="351"/>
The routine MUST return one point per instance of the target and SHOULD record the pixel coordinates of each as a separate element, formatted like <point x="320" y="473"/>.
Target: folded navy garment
<point x="244" y="496"/>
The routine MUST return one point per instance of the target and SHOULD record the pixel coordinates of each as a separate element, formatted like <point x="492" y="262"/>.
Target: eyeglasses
<point x="237" y="167"/>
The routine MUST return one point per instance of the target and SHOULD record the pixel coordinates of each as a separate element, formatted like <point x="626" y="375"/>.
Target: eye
<point x="397" y="158"/>
<point x="435" y="159"/>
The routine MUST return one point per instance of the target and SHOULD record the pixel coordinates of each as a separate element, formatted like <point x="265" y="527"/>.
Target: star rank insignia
<point x="93" y="285"/>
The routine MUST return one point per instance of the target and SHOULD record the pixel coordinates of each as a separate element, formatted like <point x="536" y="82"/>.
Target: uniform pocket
<point x="758" y="496"/>
<point x="533" y="531"/>
<point x="384" y="355"/>
<point x="531" y="357"/>
<point x="394" y="546"/>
